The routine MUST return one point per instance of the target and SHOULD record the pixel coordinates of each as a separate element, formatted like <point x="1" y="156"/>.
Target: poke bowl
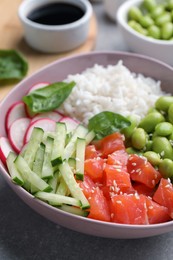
<point x="75" y="209"/>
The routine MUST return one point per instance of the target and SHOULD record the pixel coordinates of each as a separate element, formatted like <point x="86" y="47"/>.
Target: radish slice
<point x="38" y="85"/>
<point x="54" y="115"/>
<point x="17" y="132"/>
<point x="5" y="148"/>
<point x="71" y="124"/>
<point x="17" y="110"/>
<point x="46" y="124"/>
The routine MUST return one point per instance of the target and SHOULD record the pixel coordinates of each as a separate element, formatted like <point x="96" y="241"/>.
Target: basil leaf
<point x="48" y="98"/>
<point x="13" y="66"/>
<point x="106" y="123"/>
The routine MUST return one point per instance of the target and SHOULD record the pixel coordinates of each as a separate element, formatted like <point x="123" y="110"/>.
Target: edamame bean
<point x="154" y="31"/>
<point x="150" y="5"/>
<point x="137" y="27"/>
<point x="152" y="109"/>
<point x="167" y="31"/>
<point x="135" y="13"/>
<point x="152" y="157"/>
<point x="148" y="145"/>
<point x="146" y="21"/>
<point x="170" y="113"/>
<point x="164" y="129"/>
<point x="164" y="18"/>
<point x="166" y="168"/>
<point x="163" y="103"/>
<point x="131" y="150"/>
<point x="158" y="11"/>
<point x="169" y="5"/>
<point x="162" y="146"/>
<point x="139" y="138"/>
<point x="149" y="122"/>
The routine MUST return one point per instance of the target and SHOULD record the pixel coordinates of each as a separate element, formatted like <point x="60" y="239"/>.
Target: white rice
<point x="112" y="88"/>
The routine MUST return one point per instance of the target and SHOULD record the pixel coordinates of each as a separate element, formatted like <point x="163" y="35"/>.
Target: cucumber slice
<point x="72" y="163"/>
<point x="89" y="137"/>
<point x="74" y="210"/>
<point x="39" y="158"/>
<point x="80" y="157"/>
<point x="73" y="186"/>
<point x="30" y="176"/>
<point x="59" y="143"/>
<point x="56" y="199"/>
<point x="54" y="182"/>
<point x="47" y="169"/>
<point x="80" y="132"/>
<point x="62" y="188"/>
<point x="32" y="146"/>
<point x="14" y="173"/>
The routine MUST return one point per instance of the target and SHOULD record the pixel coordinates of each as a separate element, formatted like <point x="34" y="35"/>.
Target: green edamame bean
<point x="158" y="11"/>
<point x="146" y="21"/>
<point x="164" y="18"/>
<point x="164" y="129"/>
<point x="166" y="168"/>
<point x="163" y="103"/>
<point x="131" y="150"/>
<point x="167" y="31"/>
<point x="134" y="13"/>
<point x="148" y="145"/>
<point x="139" y="138"/>
<point x="129" y="130"/>
<point x="150" y="5"/>
<point x="162" y="146"/>
<point x="152" y="157"/>
<point x="149" y="122"/>
<point x="152" y="109"/>
<point x="170" y="113"/>
<point x="154" y="31"/>
<point x="137" y="27"/>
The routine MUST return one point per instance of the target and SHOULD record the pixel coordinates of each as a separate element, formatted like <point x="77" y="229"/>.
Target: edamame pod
<point x="149" y="122"/>
<point x="162" y="146"/>
<point x="166" y="168"/>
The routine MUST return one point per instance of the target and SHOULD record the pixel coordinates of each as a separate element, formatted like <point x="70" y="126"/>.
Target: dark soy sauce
<point x="56" y="14"/>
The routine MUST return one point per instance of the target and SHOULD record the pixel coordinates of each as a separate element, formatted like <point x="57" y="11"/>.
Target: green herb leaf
<point x="13" y="66"/>
<point x="106" y="123"/>
<point x="48" y="98"/>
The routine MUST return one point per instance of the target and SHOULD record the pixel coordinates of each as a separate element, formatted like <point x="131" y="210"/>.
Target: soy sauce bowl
<point x="56" y="35"/>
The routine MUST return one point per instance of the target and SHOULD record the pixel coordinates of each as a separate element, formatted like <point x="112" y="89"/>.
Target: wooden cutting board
<point x="11" y="37"/>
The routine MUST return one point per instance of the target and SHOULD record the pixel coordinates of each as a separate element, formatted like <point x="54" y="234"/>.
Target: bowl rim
<point x="121" y="19"/>
<point x="22" y="191"/>
<point x="22" y="13"/>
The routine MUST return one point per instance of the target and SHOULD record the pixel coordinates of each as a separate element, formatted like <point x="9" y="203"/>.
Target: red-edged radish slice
<point x="38" y="85"/>
<point x="46" y="124"/>
<point x="5" y="148"/>
<point x="17" y="110"/>
<point x="17" y="132"/>
<point x="71" y="124"/>
<point x="54" y="115"/>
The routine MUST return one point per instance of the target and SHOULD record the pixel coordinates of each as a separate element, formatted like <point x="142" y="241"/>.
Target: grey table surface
<point x="25" y="235"/>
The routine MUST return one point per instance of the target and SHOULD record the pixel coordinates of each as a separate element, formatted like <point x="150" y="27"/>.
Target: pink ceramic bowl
<point x="58" y="71"/>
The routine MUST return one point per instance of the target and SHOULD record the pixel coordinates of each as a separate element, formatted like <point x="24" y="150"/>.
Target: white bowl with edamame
<point x="141" y="43"/>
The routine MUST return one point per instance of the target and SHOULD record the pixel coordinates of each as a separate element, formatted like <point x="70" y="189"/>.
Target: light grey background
<point x="25" y="235"/>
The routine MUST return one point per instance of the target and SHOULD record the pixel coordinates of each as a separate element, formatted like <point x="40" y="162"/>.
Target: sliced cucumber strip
<point x="30" y="176"/>
<point x="80" y="157"/>
<point x="80" y="132"/>
<point x="56" y="199"/>
<point x="62" y="188"/>
<point x="89" y="137"/>
<point x="73" y="186"/>
<point x="54" y="182"/>
<point x="74" y="210"/>
<point x="14" y="173"/>
<point x="59" y="143"/>
<point x="32" y="146"/>
<point x="47" y="169"/>
<point x="39" y="158"/>
<point x="72" y="163"/>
